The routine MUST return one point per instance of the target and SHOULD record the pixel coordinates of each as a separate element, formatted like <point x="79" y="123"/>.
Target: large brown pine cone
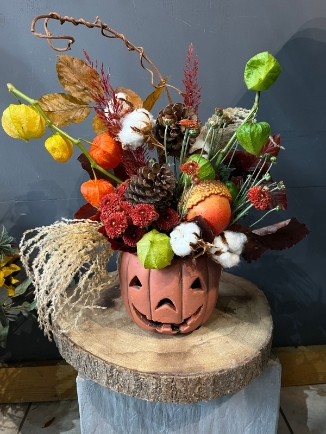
<point x="174" y="113"/>
<point x="154" y="184"/>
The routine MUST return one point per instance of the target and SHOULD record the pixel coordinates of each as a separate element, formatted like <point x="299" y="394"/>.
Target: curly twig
<point x="105" y="31"/>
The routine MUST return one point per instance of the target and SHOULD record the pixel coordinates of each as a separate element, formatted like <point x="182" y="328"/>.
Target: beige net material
<point x="237" y="114"/>
<point x="54" y="255"/>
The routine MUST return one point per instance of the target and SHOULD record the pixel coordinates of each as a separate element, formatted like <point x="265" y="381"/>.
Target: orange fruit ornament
<point x="210" y="200"/>
<point x="95" y="189"/>
<point x="106" y="151"/>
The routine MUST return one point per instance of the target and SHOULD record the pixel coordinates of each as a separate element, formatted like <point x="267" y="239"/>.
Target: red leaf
<point x="87" y="166"/>
<point x="245" y="163"/>
<point x="87" y="211"/>
<point x="279" y="236"/>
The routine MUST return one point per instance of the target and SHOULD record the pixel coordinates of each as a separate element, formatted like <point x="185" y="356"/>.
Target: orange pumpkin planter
<point x="176" y="299"/>
<point x="95" y="189"/>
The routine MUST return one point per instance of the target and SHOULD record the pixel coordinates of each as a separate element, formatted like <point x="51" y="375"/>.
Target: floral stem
<point x="52" y="126"/>
<point x="241" y="214"/>
<point x="268" y="212"/>
<point x="229" y="144"/>
<point x="165" y="149"/>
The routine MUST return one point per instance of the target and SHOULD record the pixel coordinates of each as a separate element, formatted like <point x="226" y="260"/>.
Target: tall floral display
<point x="161" y="187"/>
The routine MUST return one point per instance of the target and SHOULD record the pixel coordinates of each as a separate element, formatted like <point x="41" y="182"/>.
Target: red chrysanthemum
<point x="132" y="235"/>
<point x="259" y="197"/>
<point x="121" y="188"/>
<point x="167" y="219"/>
<point x="143" y="214"/>
<point x="115" y="224"/>
<point x="111" y="201"/>
<point x="195" y="180"/>
<point x="190" y="168"/>
<point x="127" y="208"/>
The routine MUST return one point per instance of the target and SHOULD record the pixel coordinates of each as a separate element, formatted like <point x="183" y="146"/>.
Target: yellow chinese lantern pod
<point x="59" y="147"/>
<point x="21" y="121"/>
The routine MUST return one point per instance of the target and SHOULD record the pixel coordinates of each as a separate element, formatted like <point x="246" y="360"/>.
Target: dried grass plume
<point x="54" y="255"/>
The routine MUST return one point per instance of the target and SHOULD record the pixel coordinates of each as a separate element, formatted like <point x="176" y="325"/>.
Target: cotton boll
<point x="219" y="245"/>
<point x="140" y="119"/>
<point x="182" y="237"/>
<point x="189" y="228"/>
<point x="236" y="241"/>
<point x="227" y="259"/>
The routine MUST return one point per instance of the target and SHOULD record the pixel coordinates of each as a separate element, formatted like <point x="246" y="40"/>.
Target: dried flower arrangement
<point x="184" y="201"/>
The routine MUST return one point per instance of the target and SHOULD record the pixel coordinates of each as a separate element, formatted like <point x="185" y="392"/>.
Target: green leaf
<point x="22" y="288"/>
<point x="6" y="241"/>
<point x="261" y="71"/>
<point x="252" y="137"/>
<point x="33" y="305"/>
<point x="154" y="250"/>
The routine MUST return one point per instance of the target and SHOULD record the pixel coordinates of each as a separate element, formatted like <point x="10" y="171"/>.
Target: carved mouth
<point x="167" y="328"/>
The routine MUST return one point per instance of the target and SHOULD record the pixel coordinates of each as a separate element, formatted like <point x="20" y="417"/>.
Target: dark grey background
<point x="35" y="190"/>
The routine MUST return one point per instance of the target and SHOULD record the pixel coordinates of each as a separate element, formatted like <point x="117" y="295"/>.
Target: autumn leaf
<point x="279" y="236"/>
<point x="78" y="78"/>
<point x="98" y="125"/>
<point x="131" y="97"/>
<point x="63" y="109"/>
<point x="154" y="96"/>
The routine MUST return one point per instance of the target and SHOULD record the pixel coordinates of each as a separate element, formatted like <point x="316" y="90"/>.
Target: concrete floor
<point x="303" y="411"/>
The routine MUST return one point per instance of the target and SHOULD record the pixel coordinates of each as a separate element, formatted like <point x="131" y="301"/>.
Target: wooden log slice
<point x="221" y="357"/>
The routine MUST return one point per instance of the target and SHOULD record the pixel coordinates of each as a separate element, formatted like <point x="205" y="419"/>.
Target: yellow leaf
<point x="98" y="125"/>
<point x="63" y="109"/>
<point x="78" y="78"/>
<point x="154" y="96"/>
<point x="21" y="121"/>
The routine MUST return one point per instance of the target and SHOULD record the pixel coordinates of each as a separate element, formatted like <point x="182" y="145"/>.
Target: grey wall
<point x="35" y="190"/>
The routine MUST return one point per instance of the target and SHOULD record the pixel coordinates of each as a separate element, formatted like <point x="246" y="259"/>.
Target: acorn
<point x="210" y="200"/>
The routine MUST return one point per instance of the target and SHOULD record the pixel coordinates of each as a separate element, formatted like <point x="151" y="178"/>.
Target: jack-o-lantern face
<point x="175" y="299"/>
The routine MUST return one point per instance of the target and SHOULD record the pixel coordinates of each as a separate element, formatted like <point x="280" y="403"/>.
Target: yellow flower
<point x="7" y="268"/>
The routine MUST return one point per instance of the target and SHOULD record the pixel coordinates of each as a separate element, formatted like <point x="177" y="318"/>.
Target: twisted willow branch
<point x="105" y="31"/>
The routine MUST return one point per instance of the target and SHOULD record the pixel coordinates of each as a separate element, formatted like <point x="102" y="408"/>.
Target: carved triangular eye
<point x="135" y="282"/>
<point x="196" y="284"/>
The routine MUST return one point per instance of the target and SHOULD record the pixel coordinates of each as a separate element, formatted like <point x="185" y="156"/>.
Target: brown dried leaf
<point x="154" y="96"/>
<point x="131" y="97"/>
<point x="78" y="78"/>
<point x="63" y="109"/>
<point x="98" y="125"/>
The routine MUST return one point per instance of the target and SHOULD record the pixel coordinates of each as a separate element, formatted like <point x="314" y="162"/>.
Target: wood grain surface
<point x="221" y="357"/>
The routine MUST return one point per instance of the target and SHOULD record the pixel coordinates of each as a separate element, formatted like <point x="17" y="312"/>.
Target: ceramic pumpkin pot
<point x="176" y="299"/>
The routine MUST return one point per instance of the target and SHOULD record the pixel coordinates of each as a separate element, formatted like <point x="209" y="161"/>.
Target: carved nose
<point x="166" y="302"/>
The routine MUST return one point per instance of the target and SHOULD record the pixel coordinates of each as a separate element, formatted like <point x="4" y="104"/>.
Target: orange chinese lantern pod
<point x="95" y="189"/>
<point x="106" y="151"/>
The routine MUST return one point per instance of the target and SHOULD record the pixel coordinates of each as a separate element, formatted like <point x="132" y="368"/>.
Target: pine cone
<point x="153" y="184"/>
<point x="174" y="113"/>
